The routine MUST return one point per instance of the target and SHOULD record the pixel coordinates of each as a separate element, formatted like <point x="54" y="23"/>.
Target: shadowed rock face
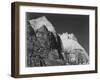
<point x="46" y="48"/>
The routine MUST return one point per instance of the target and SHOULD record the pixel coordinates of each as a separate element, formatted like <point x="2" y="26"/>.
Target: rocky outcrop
<point x="43" y="48"/>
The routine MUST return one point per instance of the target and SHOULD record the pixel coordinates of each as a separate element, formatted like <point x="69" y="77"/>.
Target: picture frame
<point x="77" y="22"/>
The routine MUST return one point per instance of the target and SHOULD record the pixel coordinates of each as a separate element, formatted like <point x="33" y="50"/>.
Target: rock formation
<point x="43" y="44"/>
<point x="73" y="51"/>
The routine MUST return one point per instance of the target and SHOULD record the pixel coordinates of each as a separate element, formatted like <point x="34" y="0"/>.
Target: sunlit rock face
<point x="46" y="47"/>
<point x="73" y="52"/>
<point x="39" y="22"/>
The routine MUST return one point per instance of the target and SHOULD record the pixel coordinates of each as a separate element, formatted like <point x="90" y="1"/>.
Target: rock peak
<point x="40" y="22"/>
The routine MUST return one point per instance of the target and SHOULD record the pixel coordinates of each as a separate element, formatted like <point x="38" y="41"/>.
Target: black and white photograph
<point x="57" y="39"/>
<point x="51" y="39"/>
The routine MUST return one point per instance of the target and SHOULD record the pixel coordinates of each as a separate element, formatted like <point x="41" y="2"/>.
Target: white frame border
<point x="38" y="70"/>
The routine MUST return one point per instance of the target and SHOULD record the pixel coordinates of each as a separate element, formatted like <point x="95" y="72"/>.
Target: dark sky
<point x="77" y="24"/>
